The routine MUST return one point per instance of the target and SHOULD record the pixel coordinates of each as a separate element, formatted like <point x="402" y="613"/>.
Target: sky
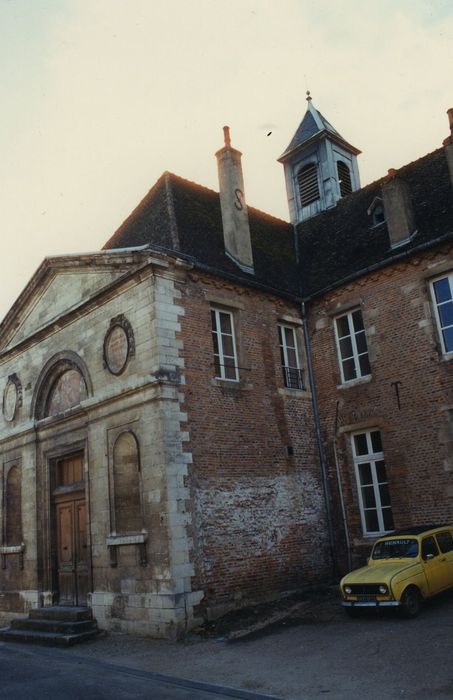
<point x="99" y="97"/>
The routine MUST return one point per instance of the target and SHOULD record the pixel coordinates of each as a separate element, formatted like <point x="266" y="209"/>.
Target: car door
<point x="445" y="544"/>
<point x="435" y="565"/>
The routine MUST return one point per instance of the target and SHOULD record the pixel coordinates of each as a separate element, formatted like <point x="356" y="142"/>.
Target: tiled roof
<point x="342" y="241"/>
<point x="339" y="243"/>
<point x="184" y="217"/>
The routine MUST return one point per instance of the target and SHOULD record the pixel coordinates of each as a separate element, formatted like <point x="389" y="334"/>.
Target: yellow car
<point x="404" y="568"/>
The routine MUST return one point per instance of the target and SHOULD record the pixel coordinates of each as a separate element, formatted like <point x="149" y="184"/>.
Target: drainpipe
<point x="322" y="456"/>
<point x="340" y="489"/>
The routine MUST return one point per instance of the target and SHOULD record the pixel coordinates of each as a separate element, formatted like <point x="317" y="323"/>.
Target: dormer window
<point x="307" y="179"/>
<point x="344" y="178"/>
<point x="376" y="211"/>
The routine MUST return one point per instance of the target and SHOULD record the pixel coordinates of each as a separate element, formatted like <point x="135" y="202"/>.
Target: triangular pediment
<point x="60" y="286"/>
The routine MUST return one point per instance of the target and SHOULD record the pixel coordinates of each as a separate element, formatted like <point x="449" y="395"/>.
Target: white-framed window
<point x="225" y="355"/>
<point x="372" y="483"/>
<point x="443" y="303"/>
<point x="352" y="346"/>
<point x="289" y="355"/>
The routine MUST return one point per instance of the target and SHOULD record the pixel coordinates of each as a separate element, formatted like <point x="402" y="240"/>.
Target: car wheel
<point x="411" y="603"/>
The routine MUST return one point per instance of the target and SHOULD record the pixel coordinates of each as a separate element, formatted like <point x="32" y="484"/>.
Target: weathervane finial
<point x="308" y="98"/>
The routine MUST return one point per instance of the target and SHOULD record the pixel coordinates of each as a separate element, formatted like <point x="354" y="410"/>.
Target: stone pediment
<point x="61" y="285"/>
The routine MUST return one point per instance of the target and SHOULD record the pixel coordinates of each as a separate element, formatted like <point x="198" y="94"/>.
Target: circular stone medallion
<point x="10" y="401"/>
<point x="116" y="349"/>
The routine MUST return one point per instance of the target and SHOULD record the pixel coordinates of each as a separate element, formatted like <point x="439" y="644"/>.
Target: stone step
<point x="58" y="612"/>
<point x="40" y="624"/>
<point x="55" y="626"/>
<point x="8" y="634"/>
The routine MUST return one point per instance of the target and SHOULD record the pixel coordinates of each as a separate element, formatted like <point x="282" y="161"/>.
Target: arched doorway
<point x="62" y="387"/>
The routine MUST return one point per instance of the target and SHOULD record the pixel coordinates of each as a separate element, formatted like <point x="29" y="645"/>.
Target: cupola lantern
<point x="320" y="166"/>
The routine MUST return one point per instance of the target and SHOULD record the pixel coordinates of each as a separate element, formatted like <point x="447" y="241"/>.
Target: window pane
<point x="446" y="314"/>
<point x="227" y="341"/>
<point x="384" y="494"/>
<point x="229" y="368"/>
<point x="376" y="443"/>
<point x="429" y="547"/>
<point x="225" y="323"/>
<point x="346" y="347"/>
<point x="368" y="497"/>
<point x="361" y="447"/>
<point x="365" y="368"/>
<point x="349" y="371"/>
<point x="217" y="369"/>
<point x="360" y="340"/>
<point x="357" y="321"/>
<point x="388" y="519"/>
<point x="292" y="360"/>
<point x="289" y="337"/>
<point x="445" y="541"/>
<point x="213" y="321"/>
<point x="342" y="326"/>
<point x="371" y="521"/>
<point x="448" y="339"/>
<point x="380" y="471"/>
<point x="365" y="473"/>
<point x="442" y="290"/>
<point x="215" y="342"/>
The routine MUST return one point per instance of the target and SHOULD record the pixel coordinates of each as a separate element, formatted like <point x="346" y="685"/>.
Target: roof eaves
<point x="426" y="245"/>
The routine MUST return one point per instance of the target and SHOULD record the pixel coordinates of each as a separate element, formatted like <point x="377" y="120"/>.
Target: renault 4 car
<point x="404" y="568"/>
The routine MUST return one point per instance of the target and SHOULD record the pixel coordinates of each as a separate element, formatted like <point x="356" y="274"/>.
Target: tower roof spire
<point x="314" y="126"/>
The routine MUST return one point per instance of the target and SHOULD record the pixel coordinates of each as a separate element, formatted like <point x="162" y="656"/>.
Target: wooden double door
<point x="72" y="555"/>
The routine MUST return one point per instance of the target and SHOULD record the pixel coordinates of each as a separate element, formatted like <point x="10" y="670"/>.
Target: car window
<point x="393" y="549"/>
<point x="429" y="547"/>
<point x="445" y="541"/>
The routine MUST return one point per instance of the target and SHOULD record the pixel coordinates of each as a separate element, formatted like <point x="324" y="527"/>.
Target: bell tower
<point x="320" y="166"/>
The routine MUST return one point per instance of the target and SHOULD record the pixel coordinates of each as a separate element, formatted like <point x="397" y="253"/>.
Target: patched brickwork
<point x="257" y="509"/>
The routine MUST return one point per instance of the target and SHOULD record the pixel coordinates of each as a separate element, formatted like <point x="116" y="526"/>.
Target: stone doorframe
<point x="46" y="518"/>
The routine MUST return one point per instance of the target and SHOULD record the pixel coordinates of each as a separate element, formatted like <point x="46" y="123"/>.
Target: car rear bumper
<point x="371" y="603"/>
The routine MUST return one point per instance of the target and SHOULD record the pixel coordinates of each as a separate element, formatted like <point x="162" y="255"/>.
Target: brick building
<point x="376" y="270"/>
<point x="196" y="415"/>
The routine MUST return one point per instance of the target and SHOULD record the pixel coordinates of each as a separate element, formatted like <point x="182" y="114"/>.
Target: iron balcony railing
<point x="292" y="376"/>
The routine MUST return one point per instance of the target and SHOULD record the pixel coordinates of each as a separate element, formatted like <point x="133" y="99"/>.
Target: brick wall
<point x="258" y="513"/>
<point x="403" y="347"/>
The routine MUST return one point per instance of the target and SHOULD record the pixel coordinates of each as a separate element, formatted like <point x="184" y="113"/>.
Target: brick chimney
<point x="235" y="218"/>
<point x="448" y="143"/>
<point x="399" y="213"/>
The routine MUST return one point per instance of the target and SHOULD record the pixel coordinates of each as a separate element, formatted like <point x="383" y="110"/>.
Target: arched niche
<point x="13" y="503"/>
<point x="126" y="484"/>
<point x="63" y="384"/>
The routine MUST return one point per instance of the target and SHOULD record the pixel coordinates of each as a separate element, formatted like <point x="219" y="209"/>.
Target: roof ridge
<point x="250" y="208"/>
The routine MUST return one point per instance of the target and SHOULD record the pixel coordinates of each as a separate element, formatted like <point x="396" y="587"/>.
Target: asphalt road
<point x="317" y="653"/>
<point x="44" y="674"/>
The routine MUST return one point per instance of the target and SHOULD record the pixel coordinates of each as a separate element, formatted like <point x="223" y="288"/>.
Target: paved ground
<point x="316" y="653"/>
<point x="43" y="674"/>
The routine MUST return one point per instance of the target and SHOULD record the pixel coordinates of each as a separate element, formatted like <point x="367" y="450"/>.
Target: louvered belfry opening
<point x="307" y="178"/>
<point x="344" y="177"/>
